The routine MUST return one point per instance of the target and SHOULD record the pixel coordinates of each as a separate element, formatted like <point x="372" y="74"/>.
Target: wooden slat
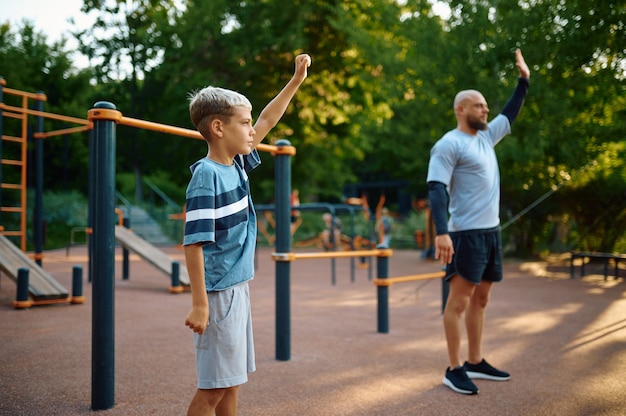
<point x="41" y="285"/>
<point x="149" y="252"/>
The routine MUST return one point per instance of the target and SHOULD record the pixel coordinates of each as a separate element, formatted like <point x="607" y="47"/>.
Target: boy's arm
<point x="275" y="109"/>
<point x="198" y="317"/>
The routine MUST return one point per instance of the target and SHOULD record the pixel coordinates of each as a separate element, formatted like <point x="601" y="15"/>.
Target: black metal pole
<point x="103" y="307"/>
<point x="126" y="255"/>
<point x="283" y="246"/>
<point x="382" y="272"/>
<point x="91" y="201"/>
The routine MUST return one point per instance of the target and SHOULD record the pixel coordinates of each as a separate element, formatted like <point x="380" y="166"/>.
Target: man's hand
<point x="303" y="61"/>
<point x="444" y="250"/>
<point x="198" y="319"/>
<point x="520" y="63"/>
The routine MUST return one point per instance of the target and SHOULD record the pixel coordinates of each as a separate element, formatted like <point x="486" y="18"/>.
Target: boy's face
<point x="238" y="133"/>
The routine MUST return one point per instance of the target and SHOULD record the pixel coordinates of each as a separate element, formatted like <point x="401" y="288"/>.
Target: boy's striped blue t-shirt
<point x="220" y="215"/>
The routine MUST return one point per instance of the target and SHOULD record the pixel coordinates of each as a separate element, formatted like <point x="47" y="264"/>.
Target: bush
<point x="61" y="212"/>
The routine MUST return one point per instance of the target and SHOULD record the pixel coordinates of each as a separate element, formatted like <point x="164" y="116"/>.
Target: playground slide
<point x="149" y="252"/>
<point x="41" y="285"/>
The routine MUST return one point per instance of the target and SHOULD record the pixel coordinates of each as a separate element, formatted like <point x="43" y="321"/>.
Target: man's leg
<point x="475" y="320"/>
<point x="476" y="366"/>
<point x="459" y="297"/>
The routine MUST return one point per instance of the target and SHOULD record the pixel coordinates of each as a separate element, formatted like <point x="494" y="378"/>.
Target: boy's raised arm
<point x="275" y="109"/>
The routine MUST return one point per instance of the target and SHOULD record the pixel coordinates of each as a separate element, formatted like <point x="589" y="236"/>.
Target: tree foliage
<point x="378" y="96"/>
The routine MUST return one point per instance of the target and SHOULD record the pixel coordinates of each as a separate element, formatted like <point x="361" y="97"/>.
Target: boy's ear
<point x="215" y="127"/>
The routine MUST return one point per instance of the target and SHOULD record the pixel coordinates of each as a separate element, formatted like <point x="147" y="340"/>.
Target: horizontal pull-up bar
<point x="331" y="254"/>
<point x="34" y="95"/>
<point x="63" y="131"/>
<point x="412" y="278"/>
<point x="115" y="115"/>
<point x="44" y="114"/>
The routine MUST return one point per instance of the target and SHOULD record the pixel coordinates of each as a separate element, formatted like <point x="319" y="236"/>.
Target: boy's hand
<point x="524" y="72"/>
<point x="197" y="319"/>
<point x="303" y="61"/>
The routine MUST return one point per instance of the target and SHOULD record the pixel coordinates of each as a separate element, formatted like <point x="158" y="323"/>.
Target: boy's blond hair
<point x="213" y="102"/>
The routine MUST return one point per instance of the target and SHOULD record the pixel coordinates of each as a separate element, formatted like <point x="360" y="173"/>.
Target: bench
<point x="605" y="257"/>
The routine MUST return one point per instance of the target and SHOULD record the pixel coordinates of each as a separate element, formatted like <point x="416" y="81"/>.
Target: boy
<point x="220" y="239"/>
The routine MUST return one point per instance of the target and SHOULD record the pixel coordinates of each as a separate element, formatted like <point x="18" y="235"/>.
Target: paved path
<point x="563" y="340"/>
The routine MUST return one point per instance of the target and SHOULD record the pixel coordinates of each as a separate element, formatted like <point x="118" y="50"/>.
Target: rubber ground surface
<point x="563" y="341"/>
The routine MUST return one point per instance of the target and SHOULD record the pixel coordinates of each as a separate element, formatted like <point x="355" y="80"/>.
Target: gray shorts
<point x="225" y="351"/>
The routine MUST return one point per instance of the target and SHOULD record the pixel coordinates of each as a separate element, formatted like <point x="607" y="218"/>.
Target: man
<point x="463" y="166"/>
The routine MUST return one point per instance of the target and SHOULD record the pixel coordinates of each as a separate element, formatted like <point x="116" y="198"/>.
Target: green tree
<point x="571" y="119"/>
<point x="31" y="64"/>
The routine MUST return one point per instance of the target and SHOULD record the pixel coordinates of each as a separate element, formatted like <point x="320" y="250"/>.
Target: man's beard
<point x="477" y="124"/>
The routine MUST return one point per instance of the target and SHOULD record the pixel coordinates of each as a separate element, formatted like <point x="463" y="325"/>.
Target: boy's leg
<point x="228" y="405"/>
<point x="205" y="401"/>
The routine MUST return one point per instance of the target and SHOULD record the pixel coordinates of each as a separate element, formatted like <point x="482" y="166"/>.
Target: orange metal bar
<point x="26" y="110"/>
<point x="12" y="162"/>
<point x="12" y="138"/>
<point x="120" y="217"/>
<point x="284" y="150"/>
<point x="391" y="280"/>
<point x="63" y="131"/>
<point x="34" y="95"/>
<point x="267" y="148"/>
<point x="104" y="114"/>
<point x="11" y="115"/>
<point x="162" y="128"/>
<point x="24" y="172"/>
<point x="334" y="254"/>
<point x="10" y="186"/>
<point x="179" y="131"/>
<point x="13" y="233"/>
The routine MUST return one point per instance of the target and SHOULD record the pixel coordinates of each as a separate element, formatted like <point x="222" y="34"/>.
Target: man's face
<point x="477" y="111"/>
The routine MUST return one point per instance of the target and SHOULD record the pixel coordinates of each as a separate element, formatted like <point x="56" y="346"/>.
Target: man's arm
<point x="514" y="105"/>
<point x="439" y="209"/>
<point x="275" y="109"/>
<point x="438" y="204"/>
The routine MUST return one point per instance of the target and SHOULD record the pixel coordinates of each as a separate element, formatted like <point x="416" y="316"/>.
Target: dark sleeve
<point x="439" y="206"/>
<point x="514" y="105"/>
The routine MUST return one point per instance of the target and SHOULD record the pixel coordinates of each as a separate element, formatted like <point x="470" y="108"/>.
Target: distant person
<point x="331" y="235"/>
<point x="463" y="166"/>
<point x="294" y="201"/>
<point x="384" y="229"/>
<point x="220" y="239"/>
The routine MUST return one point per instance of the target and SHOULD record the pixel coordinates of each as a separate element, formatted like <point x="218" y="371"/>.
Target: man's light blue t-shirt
<point x="468" y="166"/>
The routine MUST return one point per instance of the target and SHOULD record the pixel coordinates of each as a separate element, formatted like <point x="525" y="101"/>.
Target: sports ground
<point x="563" y="340"/>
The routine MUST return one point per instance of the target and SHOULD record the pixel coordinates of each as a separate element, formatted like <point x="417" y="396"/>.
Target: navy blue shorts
<point x="477" y="255"/>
